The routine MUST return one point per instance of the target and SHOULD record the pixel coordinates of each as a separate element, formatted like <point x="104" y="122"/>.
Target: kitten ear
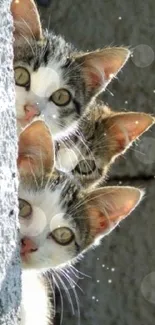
<point x="123" y="128"/>
<point x="36" y="149"/>
<point x="26" y="19"/>
<point x="108" y="206"/>
<point x="99" y="67"/>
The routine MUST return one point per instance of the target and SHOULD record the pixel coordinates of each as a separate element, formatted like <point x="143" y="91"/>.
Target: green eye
<point x="61" y="97"/>
<point x="25" y="209"/>
<point x="22" y="77"/>
<point x="62" y="235"/>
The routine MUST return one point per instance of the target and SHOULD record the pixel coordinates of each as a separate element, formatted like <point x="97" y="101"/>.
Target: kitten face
<point x="58" y="218"/>
<point x="52" y="78"/>
<point x="50" y="226"/>
<point x="63" y="221"/>
<point x="46" y="81"/>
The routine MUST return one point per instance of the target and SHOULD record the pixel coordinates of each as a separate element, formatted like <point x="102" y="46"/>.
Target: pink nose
<point x="27" y="246"/>
<point x="30" y="112"/>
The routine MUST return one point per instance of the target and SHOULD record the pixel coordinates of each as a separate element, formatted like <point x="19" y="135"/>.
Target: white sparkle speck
<point x="103" y="265"/>
<point x="93" y="297"/>
<point x="120" y="18"/>
<point x="113" y="269"/>
<point x="54" y="116"/>
<point x="97" y="300"/>
<point x="98" y="259"/>
<point x="107" y="268"/>
<point x="137" y="122"/>
<point x="98" y="281"/>
<point x="126" y="102"/>
<point x="109" y="281"/>
<point x="154" y="90"/>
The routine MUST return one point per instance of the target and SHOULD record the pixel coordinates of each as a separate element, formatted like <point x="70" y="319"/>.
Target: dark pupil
<point x="20" y="75"/>
<point x="62" y="235"/>
<point x="59" y="96"/>
<point x="21" y="205"/>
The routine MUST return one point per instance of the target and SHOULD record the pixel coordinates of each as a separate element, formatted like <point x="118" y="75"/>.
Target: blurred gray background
<point x="121" y="289"/>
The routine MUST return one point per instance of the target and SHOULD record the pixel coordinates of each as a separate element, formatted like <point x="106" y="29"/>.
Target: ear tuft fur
<point x="36" y="149"/>
<point x="26" y="19"/>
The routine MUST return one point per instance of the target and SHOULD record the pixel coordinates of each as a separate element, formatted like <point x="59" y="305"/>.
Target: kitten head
<point x="102" y="135"/>
<point x="51" y="77"/>
<point x="58" y="219"/>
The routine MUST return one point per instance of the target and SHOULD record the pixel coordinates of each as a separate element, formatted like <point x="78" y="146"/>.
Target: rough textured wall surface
<point x="9" y="261"/>
<point x="91" y="24"/>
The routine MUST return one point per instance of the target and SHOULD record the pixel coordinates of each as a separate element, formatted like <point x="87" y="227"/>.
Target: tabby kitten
<point x="101" y="136"/>
<point x="52" y="77"/>
<point x="59" y="220"/>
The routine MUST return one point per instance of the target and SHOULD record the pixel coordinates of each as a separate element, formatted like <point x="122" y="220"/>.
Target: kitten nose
<point x="27" y="246"/>
<point x="31" y="111"/>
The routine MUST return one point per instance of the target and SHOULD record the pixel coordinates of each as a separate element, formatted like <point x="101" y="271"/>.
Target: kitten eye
<point x="25" y="209"/>
<point x="22" y="77"/>
<point x="62" y="236"/>
<point x="85" y="167"/>
<point x="61" y="97"/>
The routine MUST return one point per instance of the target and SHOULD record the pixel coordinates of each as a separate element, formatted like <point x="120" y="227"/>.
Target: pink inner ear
<point x="109" y="205"/>
<point x="26" y="165"/>
<point x="95" y="79"/>
<point x="126" y="127"/>
<point x="36" y="148"/>
<point x="26" y="18"/>
<point x="111" y="68"/>
<point x="101" y="66"/>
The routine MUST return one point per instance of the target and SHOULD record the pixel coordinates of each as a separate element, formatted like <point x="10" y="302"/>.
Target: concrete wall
<point x="9" y="256"/>
<point x="91" y="24"/>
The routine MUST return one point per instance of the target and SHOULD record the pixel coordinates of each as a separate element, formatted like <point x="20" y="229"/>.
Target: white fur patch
<point x="34" y="306"/>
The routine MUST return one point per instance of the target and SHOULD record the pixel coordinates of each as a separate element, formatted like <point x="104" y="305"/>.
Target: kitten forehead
<point x="53" y="78"/>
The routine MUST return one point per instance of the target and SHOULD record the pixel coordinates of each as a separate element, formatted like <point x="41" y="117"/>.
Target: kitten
<point x="52" y="77"/>
<point x="59" y="219"/>
<point x="45" y="68"/>
<point x="102" y="135"/>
